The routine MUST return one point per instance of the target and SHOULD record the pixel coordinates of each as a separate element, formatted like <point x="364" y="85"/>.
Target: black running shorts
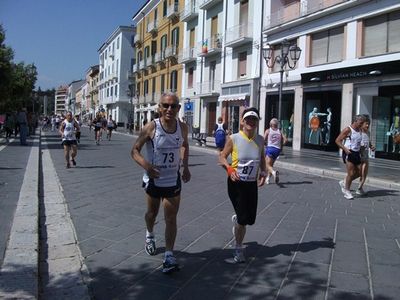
<point x="244" y="198"/>
<point x="163" y="192"/>
<point x="69" y="143"/>
<point x="354" y="157"/>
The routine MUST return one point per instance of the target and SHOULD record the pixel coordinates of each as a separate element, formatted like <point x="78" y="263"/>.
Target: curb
<point x="20" y="271"/>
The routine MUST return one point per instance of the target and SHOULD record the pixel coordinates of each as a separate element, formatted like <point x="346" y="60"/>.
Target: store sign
<point x="189" y="106"/>
<point x="363" y="71"/>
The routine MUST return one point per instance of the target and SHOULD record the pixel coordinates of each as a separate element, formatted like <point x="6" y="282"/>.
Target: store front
<point x="287" y="115"/>
<point x="321" y="119"/>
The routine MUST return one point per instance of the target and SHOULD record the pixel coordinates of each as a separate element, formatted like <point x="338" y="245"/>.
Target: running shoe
<point x="341" y="183"/>
<point x="347" y="194"/>
<point x="150" y="246"/>
<point x="238" y="256"/>
<point x="170" y="265"/>
<point x="267" y="181"/>
<point x="73" y="162"/>
<point x="68" y="165"/>
<point x="360" y="192"/>
<point x="276" y="176"/>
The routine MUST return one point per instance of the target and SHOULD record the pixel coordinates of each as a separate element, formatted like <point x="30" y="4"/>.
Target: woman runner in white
<point x="68" y="129"/>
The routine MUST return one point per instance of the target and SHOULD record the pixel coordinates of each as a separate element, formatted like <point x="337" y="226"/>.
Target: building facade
<point x="92" y="101"/>
<point x="73" y="104"/>
<point x="158" y="43"/>
<point x="221" y="58"/>
<point x="116" y="58"/>
<point x="349" y="65"/>
<point x="60" y="100"/>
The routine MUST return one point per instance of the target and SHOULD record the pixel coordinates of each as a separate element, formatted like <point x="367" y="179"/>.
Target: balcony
<point x="142" y="99"/>
<point x="206" y="4"/>
<point x="284" y="14"/>
<point x="188" y="55"/>
<point x="171" y="52"/>
<point x="239" y="35"/>
<point x="311" y="6"/>
<point x="135" y="68"/>
<point x="137" y="40"/>
<point x="143" y="64"/>
<point x="158" y="58"/>
<point x="151" y="61"/>
<point x="211" y="46"/>
<point x="152" y="26"/>
<point x="189" y="12"/>
<point x="173" y="11"/>
<point x="209" y="88"/>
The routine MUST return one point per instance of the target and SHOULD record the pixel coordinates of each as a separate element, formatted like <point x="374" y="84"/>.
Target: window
<point x="146" y="51"/>
<point x="140" y="56"/>
<point x="111" y="91"/>
<point x="118" y="43"/>
<point x="175" y="37"/>
<point x="153" y="47"/>
<point x="381" y="34"/>
<point x="146" y="87"/>
<point x="327" y="46"/>
<point x="108" y="92"/>
<point x="163" y="45"/>
<point x="174" y="81"/>
<point x="242" y="65"/>
<point x="155" y="16"/>
<point x="116" y="90"/>
<point x="138" y="89"/>
<point x="162" y="83"/>
<point x="165" y="8"/>
<point x="153" y="85"/>
<point x="190" y="77"/>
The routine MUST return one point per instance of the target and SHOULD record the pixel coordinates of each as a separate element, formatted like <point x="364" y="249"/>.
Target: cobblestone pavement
<point x="308" y="241"/>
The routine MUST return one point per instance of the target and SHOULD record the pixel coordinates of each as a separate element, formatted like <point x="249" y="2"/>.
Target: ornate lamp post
<point x="294" y="53"/>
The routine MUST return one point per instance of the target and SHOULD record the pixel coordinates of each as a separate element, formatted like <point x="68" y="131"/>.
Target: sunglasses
<point x="172" y="106"/>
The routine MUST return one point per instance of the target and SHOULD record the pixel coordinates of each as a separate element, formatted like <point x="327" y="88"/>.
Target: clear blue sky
<point x="61" y="37"/>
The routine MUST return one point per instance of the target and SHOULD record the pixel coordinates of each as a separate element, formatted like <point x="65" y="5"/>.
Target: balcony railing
<point x="187" y="55"/>
<point x="173" y="11"/>
<point x="152" y="26"/>
<point x="209" y="87"/>
<point x="239" y="34"/>
<point x="142" y="64"/>
<point x="137" y="40"/>
<point x="211" y="45"/>
<point x="151" y="61"/>
<point x="284" y="14"/>
<point x="189" y="12"/>
<point x="135" y="68"/>
<point x="206" y="4"/>
<point x="142" y="99"/>
<point x="171" y="51"/>
<point x="157" y="57"/>
<point x="312" y="6"/>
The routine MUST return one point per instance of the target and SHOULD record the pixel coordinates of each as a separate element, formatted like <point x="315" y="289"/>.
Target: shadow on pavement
<point x="283" y="184"/>
<point x="93" y="167"/>
<point x="380" y="193"/>
<point x="6" y="168"/>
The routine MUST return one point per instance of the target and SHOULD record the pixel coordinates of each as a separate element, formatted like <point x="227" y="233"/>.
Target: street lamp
<point x="294" y="53"/>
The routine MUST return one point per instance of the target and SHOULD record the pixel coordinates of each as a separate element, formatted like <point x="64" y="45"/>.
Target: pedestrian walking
<point x="274" y="139"/>
<point x="349" y="140"/>
<point x="22" y="121"/>
<point x="164" y="139"/>
<point x="68" y="129"/>
<point x="219" y="132"/>
<point x="246" y="149"/>
<point x="97" y="128"/>
<point x="9" y="125"/>
<point x="366" y="146"/>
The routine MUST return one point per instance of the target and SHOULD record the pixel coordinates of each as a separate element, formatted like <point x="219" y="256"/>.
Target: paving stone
<point x="350" y="282"/>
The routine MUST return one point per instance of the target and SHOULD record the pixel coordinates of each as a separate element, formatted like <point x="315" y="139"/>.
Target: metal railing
<point x="152" y="26"/>
<point x="173" y="10"/>
<point x="188" y="54"/>
<point x="211" y="44"/>
<point x="238" y="32"/>
<point x="208" y="87"/>
<point x="312" y="6"/>
<point x="204" y="4"/>
<point x="142" y="64"/>
<point x="171" y="51"/>
<point x="189" y="11"/>
<point x="284" y="14"/>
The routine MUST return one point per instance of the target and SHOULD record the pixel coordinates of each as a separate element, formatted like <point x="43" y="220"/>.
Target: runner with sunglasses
<point x="166" y="147"/>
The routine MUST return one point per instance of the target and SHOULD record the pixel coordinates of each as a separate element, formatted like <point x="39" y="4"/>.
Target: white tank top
<point x="110" y="123"/>
<point x="69" y="131"/>
<point x="164" y="152"/>
<point x="274" y="138"/>
<point x="353" y="142"/>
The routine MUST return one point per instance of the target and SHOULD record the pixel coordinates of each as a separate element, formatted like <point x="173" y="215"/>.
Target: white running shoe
<point x="341" y="183"/>
<point x="360" y="192"/>
<point x="238" y="256"/>
<point x="267" y="181"/>
<point x="347" y="194"/>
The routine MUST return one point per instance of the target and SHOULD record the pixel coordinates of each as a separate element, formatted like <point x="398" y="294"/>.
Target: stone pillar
<point x="298" y="117"/>
<point x="347" y="105"/>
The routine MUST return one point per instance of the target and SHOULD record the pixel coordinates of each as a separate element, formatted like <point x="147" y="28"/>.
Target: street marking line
<point x="328" y="283"/>
<point x="371" y="290"/>
<point x="397" y="242"/>
<point x="4" y="146"/>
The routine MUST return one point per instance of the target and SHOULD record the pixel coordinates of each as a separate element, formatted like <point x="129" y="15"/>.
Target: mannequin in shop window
<point x="395" y="130"/>
<point x="327" y="126"/>
<point x="314" y="122"/>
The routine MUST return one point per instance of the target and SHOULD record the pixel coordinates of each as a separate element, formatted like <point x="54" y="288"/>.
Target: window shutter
<point x="319" y="48"/>
<point x="394" y="34"/>
<point x="335" y="51"/>
<point x="375" y="35"/>
<point x="242" y="64"/>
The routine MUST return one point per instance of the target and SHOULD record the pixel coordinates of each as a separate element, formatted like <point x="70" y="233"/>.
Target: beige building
<point x="92" y="98"/>
<point x="158" y="43"/>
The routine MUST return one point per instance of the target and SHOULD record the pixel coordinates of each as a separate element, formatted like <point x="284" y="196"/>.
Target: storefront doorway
<point x="321" y="121"/>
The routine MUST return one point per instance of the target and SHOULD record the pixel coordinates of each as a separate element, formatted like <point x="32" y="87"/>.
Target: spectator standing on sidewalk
<point x="22" y="121"/>
<point x="349" y="140"/>
<point x="68" y="128"/>
<point x="365" y="147"/>
<point x="219" y="132"/>
<point x="163" y="139"/>
<point x="247" y="151"/>
<point x="274" y="139"/>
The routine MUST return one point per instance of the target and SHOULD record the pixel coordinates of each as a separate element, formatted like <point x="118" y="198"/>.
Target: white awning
<point x="233" y="97"/>
<point x="148" y="108"/>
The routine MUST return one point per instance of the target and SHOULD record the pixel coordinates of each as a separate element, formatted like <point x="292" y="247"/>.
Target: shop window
<point x="327" y="46"/>
<point x="381" y="34"/>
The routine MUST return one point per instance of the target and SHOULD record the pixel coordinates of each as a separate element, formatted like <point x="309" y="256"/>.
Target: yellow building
<point x="92" y="95"/>
<point x="158" y="42"/>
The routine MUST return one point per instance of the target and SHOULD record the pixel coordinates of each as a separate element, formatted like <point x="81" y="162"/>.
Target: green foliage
<point x="17" y="80"/>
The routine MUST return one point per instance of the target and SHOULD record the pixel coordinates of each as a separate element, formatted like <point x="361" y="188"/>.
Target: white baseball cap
<point x="251" y="114"/>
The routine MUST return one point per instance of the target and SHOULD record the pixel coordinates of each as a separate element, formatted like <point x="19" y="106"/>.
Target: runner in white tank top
<point x="164" y="139"/>
<point x="67" y="130"/>
<point x="349" y="140"/>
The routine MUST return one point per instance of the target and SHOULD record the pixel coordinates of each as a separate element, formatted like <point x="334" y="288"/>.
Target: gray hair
<point x="170" y="94"/>
<point x="357" y="118"/>
<point x="274" y="121"/>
